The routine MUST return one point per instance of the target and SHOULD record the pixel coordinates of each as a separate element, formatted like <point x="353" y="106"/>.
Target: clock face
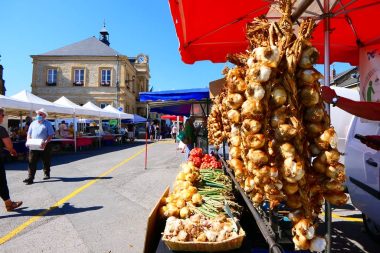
<point x="141" y="59"/>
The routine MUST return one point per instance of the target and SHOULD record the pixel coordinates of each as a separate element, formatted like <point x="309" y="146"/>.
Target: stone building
<point x="2" y="81"/>
<point x="347" y="79"/>
<point x="90" y="70"/>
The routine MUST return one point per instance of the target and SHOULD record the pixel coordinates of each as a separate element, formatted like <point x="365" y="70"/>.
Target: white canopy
<point x="38" y="103"/>
<point x="12" y="104"/>
<point x="122" y="115"/>
<point x="102" y="113"/>
<point x="78" y="110"/>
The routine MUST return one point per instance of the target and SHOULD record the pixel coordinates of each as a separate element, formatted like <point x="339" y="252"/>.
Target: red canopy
<point x="209" y="30"/>
<point x="172" y="117"/>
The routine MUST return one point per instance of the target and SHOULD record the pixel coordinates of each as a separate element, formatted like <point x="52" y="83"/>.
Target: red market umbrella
<point x="172" y="117"/>
<point x="209" y="30"/>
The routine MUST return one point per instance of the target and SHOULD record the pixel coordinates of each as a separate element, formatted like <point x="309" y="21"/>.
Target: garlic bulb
<point x="285" y="132"/>
<point x="255" y="141"/>
<point x="329" y="137"/>
<point x="336" y="198"/>
<point x="279" y="117"/>
<point x="235" y="100"/>
<point x="268" y="56"/>
<point x="255" y="91"/>
<point x="293" y="170"/>
<point x="278" y="96"/>
<point x="336" y="172"/>
<point x="260" y="73"/>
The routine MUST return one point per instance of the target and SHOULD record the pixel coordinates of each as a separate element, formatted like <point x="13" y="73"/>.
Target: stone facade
<point x="129" y="76"/>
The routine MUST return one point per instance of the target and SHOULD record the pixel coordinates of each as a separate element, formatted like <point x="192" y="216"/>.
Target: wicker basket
<point x="229" y="244"/>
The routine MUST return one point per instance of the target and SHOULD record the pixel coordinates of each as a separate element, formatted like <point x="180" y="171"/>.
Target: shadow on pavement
<point x="70" y="179"/>
<point x="349" y="237"/>
<point x="53" y="211"/>
<point x="67" y="157"/>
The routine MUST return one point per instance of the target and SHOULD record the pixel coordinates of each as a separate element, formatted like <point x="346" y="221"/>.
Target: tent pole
<point x="75" y="133"/>
<point x="328" y="215"/>
<point x="207" y="104"/>
<point x="100" y="136"/>
<point x="146" y="136"/>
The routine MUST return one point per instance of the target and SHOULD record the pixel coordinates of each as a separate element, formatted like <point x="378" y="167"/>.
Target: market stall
<point x="178" y="102"/>
<point x="282" y="147"/>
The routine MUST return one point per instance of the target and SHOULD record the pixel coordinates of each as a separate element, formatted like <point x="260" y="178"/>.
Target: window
<point x="105" y="77"/>
<point x="102" y="105"/>
<point x="78" y="77"/>
<point x="51" y="77"/>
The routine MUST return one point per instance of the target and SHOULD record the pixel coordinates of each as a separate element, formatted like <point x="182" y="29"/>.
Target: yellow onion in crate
<point x="278" y="96"/>
<point x="309" y="96"/>
<point x="235" y="100"/>
<point x="314" y="114"/>
<point x="255" y="91"/>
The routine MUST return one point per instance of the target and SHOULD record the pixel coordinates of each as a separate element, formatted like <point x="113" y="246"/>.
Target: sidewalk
<point x="103" y="198"/>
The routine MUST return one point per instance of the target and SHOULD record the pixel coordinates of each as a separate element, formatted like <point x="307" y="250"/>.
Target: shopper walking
<point x="7" y="143"/>
<point x="40" y="129"/>
<point x="189" y="135"/>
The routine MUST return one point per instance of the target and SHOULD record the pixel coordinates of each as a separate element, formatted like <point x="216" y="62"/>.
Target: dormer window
<point x="78" y="77"/>
<point x="51" y="77"/>
<point x="105" y="77"/>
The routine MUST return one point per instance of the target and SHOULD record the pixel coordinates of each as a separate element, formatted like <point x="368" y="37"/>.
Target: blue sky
<point x="143" y="26"/>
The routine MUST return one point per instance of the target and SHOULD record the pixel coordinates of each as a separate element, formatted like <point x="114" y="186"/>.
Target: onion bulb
<point x="334" y="186"/>
<point x="248" y="184"/>
<point x="330" y="157"/>
<point x="314" y="114"/>
<point x="250" y="108"/>
<point x="255" y="141"/>
<point x="233" y="116"/>
<point x="235" y="140"/>
<point x="290" y="188"/>
<point x="196" y="199"/>
<point x="309" y="75"/>
<point x="287" y="150"/>
<point x="308" y="58"/>
<point x="258" y="157"/>
<point x="279" y="117"/>
<point x="309" y="96"/>
<point x="278" y="96"/>
<point x="336" y="198"/>
<point x="236" y="164"/>
<point x="329" y="137"/>
<point x="336" y="172"/>
<point x="294" y="201"/>
<point x="314" y="129"/>
<point x="180" y="203"/>
<point x="293" y="170"/>
<point x="251" y="126"/>
<point x="235" y="152"/>
<point x="285" y="132"/>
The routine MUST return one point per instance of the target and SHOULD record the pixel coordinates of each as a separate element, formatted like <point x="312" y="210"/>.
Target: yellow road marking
<point x="345" y="218"/>
<point x="20" y="228"/>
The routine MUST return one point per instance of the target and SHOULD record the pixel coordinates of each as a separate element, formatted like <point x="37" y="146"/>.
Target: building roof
<point x="347" y="79"/>
<point x="88" y="47"/>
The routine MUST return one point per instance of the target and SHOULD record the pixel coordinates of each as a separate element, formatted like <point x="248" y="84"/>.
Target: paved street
<point x="103" y="199"/>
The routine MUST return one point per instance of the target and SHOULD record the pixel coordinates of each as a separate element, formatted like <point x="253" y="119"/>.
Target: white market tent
<point x="102" y="113"/>
<point x="78" y="110"/>
<point x="38" y="103"/>
<point x="121" y="115"/>
<point x="14" y="105"/>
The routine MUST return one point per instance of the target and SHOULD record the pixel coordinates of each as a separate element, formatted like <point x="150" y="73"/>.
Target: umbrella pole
<point x="146" y="136"/>
<point x="75" y="133"/>
<point x="326" y="20"/>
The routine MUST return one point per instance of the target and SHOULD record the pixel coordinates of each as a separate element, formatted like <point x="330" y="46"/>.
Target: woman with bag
<point x="189" y="135"/>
